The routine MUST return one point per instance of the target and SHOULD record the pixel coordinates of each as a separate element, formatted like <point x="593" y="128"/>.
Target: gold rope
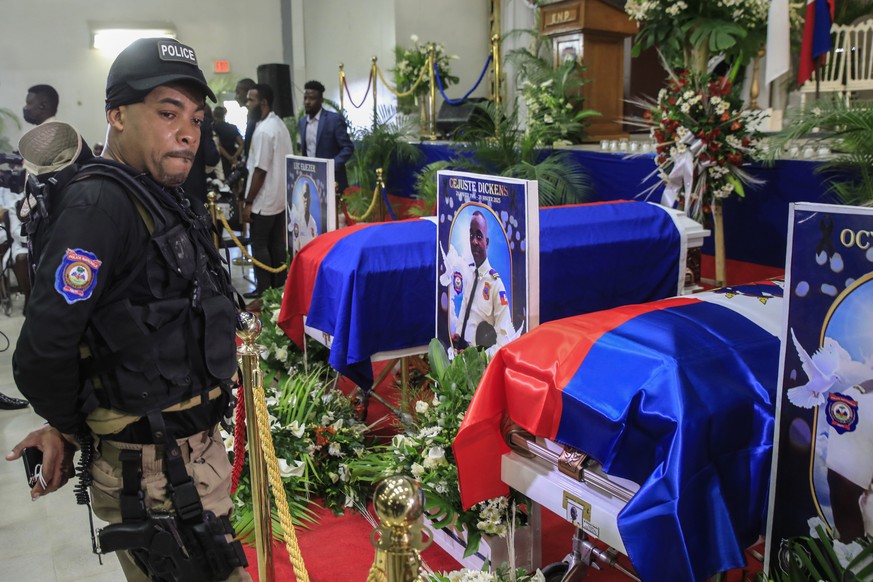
<point x="395" y="91"/>
<point x="276" y="485"/>
<point x="370" y="209"/>
<point x="242" y="248"/>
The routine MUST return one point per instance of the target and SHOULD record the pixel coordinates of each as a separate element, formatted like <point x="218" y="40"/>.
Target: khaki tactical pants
<point x="206" y="462"/>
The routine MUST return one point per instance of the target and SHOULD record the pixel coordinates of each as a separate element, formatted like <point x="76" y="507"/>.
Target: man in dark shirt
<point x="129" y="337"/>
<point x="230" y="142"/>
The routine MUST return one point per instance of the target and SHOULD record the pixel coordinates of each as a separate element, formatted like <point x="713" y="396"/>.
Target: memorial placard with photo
<point x="487" y="260"/>
<point x="822" y="473"/>
<point x="310" y="202"/>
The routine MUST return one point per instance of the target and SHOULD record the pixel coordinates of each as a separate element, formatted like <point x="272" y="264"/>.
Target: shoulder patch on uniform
<point x="503" y="300"/>
<point x="76" y="276"/>
<point x="486" y="291"/>
<point x="457" y="282"/>
<point x="494" y="274"/>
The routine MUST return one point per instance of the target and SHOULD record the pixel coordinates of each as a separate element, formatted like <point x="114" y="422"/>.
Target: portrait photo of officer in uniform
<point x="480" y="313"/>
<point x="303" y="224"/>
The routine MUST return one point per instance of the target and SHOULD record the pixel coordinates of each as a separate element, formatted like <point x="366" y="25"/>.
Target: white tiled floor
<point x="46" y="540"/>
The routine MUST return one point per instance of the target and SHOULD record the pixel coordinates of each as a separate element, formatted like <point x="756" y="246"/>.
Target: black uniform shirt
<point x="96" y="238"/>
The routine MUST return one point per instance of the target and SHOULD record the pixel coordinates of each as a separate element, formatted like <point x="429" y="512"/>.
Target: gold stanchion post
<point x="375" y="102"/>
<point x="210" y="198"/>
<point x="755" y="89"/>
<point x="495" y="57"/>
<point x="380" y="204"/>
<point x="720" y="266"/>
<point x="342" y="76"/>
<point x="248" y="330"/>
<point x="431" y="118"/>
<point x="398" y="502"/>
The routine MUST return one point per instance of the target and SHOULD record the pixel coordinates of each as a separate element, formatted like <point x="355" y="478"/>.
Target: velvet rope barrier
<point x="395" y="91"/>
<point x="276" y="484"/>
<point x="239" y="443"/>
<point x="367" y="92"/>
<point x="242" y="247"/>
<point x="436" y="74"/>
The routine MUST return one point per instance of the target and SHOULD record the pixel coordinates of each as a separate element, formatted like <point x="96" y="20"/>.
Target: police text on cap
<point x="172" y="51"/>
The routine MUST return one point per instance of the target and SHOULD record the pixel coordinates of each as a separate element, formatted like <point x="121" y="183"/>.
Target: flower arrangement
<point x="502" y="574"/>
<point x="553" y="95"/>
<point x="821" y="557"/>
<point x="424" y="451"/>
<point x="703" y="138"/>
<point x="735" y="28"/>
<point x="411" y="63"/>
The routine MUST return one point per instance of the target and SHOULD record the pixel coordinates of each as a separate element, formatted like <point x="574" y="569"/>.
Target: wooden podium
<point x="593" y="31"/>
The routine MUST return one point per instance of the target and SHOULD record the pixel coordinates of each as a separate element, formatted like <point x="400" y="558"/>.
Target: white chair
<point x="859" y="72"/>
<point x="848" y="67"/>
<point x="830" y="77"/>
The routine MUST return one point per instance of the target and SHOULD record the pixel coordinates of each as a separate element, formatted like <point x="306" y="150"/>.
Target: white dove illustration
<point x="819" y="369"/>
<point x="829" y="368"/>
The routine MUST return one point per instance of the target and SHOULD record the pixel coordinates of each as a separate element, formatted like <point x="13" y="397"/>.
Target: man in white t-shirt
<point x="265" y="190"/>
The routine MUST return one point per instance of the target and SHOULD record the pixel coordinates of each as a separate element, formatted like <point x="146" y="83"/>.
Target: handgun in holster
<point x="169" y="550"/>
<point x="189" y="544"/>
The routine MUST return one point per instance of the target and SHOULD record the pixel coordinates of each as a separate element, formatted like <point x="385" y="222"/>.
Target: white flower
<point x="338" y="424"/>
<point x="437" y="454"/>
<point x="414" y="39"/>
<point x="847" y="552"/>
<point x="228" y="441"/>
<point x="436" y="401"/>
<point x="327" y="418"/>
<point x="417" y="470"/>
<point x="291" y="470"/>
<point x="430" y="432"/>
<point x="281" y="354"/>
<point x="333" y="477"/>
<point x="421" y="407"/>
<point x="344" y="473"/>
<point x="274" y="317"/>
<point x="297" y="429"/>
<point x="350" y="500"/>
<point x="334" y="450"/>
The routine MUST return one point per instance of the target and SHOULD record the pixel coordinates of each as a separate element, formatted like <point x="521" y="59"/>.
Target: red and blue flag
<point x="676" y="395"/>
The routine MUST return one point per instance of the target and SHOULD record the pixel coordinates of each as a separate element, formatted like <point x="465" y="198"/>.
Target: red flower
<point x="320" y="439"/>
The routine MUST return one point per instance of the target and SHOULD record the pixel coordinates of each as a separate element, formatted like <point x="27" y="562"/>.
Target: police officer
<point x="850" y="460"/>
<point x="486" y="319"/>
<point x="129" y="335"/>
<point x="303" y="227"/>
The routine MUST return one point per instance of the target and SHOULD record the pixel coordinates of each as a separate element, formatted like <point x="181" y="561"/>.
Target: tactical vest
<point x="180" y="342"/>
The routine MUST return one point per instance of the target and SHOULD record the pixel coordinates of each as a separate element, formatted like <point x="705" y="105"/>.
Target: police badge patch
<point x="486" y="291"/>
<point x="457" y="282"/>
<point x="76" y="276"/>
<point x="841" y="412"/>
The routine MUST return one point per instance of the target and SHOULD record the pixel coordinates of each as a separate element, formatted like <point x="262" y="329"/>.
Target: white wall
<point x="351" y="33"/>
<point x="357" y="31"/>
<point x="48" y="41"/>
<point x="460" y="25"/>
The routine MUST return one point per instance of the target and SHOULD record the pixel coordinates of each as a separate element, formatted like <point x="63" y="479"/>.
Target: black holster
<point x="169" y="550"/>
<point x="189" y="544"/>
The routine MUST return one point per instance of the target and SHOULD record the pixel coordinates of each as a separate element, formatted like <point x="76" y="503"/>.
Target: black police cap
<point x="151" y="62"/>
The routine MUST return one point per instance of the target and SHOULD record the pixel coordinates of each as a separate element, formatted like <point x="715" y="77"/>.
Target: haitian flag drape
<point x="373" y="287"/>
<point x="676" y="395"/>
<point x="816" y="37"/>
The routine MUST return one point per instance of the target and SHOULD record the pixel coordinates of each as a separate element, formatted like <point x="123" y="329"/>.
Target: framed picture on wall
<point x="568" y="47"/>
